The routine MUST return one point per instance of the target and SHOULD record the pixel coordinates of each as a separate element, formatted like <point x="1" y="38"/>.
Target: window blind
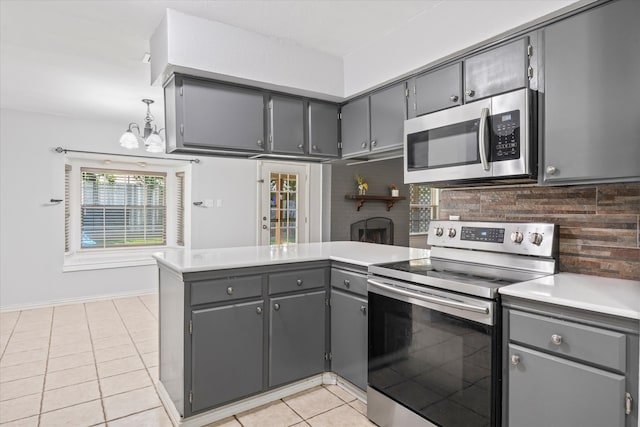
<point x="67" y="208"/>
<point x="180" y="208"/>
<point x="122" y="208"/>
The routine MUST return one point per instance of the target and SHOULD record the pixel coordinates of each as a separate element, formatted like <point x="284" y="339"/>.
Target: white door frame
<point x="265" y="168"/>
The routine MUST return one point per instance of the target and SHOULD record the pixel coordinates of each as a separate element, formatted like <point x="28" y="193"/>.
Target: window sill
<point x="81" y="261"/>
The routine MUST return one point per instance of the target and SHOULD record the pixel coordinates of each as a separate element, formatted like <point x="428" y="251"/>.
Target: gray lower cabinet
<point x="349" y="337"/>
<point x="567" y="367"/>
<point x="286" y="131"/>
<point x="546" y="390"/>
<point x="209" y="115"/>
<point x="226" y="353"/>
<point x="296" y="337"/>
<point x="323" y="129"/>
<point x="436" y="90"/>
<point x="592" y="96"/>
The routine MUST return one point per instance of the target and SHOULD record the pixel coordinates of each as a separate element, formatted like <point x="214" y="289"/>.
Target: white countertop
<point x="364" y="254"/>
<point x="610" y="296"/>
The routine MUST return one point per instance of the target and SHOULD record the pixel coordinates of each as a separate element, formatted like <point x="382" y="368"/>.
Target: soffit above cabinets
<point x="83" y="59"/>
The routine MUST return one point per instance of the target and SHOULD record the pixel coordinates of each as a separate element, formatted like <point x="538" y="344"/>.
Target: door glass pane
<point x="284" y="208"/>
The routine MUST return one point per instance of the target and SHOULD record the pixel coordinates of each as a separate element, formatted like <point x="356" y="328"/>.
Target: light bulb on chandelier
<point x="151" y="135"/>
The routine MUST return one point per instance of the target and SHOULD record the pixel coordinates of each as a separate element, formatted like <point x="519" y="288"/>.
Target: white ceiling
<point x="82" y="59"/>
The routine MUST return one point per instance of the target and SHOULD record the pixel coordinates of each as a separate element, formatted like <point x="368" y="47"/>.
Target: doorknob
<point x="264" y="227"/>
<point x="264" y="218"/>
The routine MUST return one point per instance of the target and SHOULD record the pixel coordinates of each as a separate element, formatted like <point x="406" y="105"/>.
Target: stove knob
<point x="439" y="231"/>
<point x="535" y="238"/>
<point x="452" y="232"/>
<point x="516" y="237"/>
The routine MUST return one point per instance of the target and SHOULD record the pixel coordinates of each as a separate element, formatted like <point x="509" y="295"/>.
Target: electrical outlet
<point x="208" y="203"/>
<point x="218" y="203"/>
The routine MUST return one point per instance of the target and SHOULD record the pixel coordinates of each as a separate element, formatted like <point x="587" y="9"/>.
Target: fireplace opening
<point x="373" y="230"/>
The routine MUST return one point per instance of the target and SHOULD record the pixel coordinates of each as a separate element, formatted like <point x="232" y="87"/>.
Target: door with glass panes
<point x="283" y="213"/>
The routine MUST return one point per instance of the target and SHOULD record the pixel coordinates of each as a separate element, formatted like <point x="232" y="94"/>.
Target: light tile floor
<point x="96" y="364"/>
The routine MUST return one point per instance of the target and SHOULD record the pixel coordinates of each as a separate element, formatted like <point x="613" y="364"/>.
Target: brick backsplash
<point x="599" y="224"/>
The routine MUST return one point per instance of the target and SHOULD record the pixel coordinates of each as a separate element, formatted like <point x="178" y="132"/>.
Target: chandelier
<point x="150" y="137"/>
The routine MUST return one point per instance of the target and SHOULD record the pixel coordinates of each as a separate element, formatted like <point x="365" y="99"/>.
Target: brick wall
<point x="599" y="224"/>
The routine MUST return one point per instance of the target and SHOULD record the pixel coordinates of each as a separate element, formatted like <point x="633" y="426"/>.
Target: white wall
<point x="32" y="229"/>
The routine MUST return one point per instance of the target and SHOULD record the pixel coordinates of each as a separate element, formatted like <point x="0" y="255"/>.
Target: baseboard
<point x="79" y="300"/>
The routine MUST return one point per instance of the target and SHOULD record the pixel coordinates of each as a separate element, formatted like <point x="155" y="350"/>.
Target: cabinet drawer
<point x="228" y="288"/>
<point x="598" y="346"/>
<point x="349" y="281"/>
<point x="296" y="280"/>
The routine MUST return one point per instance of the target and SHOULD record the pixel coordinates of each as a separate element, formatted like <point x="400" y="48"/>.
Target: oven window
<point x="436" y="364"/>
<point x="451" y="145"/>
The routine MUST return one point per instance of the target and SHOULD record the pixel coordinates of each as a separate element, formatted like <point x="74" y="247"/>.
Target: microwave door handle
<point x="484" y="114"/>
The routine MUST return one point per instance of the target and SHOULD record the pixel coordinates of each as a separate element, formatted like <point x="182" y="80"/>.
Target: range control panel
<point x="540" y="239"/>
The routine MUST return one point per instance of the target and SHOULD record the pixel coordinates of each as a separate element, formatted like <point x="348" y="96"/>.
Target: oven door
<point x="434" y="353"/>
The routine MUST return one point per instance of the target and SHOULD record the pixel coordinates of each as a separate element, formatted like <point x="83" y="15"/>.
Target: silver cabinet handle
<point x="363" y="309"/>
<point x="259" y="310"/>
<point x="484" y="113"/>
<point x="454" y="98"/>
<point x="556" y="339"/>
<point x="432" y="299"/>
<point x="300" y="146"/>
<point x="374" y="143"/>
<point x="260" y="143"/>
<point x="276" y="306"/>
<point x="470" y="92"/>
<point x="229" y="290"/>
<point x="551" y="170"/>
<point x="347" y="283"/>
<point x="299" y="282"/>
<point x="364" y="145"/>
<point x="515" y="359"/>
<point x="314" y="147"/>
<point x="628" y="403"/>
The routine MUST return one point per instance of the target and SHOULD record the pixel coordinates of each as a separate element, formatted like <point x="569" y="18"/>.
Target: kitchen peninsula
<point x="254" y="321"/>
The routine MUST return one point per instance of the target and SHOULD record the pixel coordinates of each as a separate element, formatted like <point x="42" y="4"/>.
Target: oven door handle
<point x="431" y="299"/>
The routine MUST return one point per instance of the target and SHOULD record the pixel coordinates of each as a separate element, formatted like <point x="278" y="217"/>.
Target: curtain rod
<point x="66" y="150"/>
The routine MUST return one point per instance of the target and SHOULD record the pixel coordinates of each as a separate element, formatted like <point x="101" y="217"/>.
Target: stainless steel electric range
<point x="435" y="327"/>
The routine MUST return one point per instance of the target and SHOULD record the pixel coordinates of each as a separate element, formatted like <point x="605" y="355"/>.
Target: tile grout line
<point x="95" y="363"/>
<point x="142" y="360"/>
<point x="13" y="329"/>
<point x="46" y="366"/>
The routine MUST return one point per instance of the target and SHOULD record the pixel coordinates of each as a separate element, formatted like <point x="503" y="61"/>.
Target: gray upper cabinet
<point x="435" y="90"/>
<point x="498" y="70"/>
<point x="592" y="96"/>
<point x="323" y="129"/>
<point x="296" y="337"/>
<point x="211" y="116"/>
<point x="374" y="123"/>
<point x="388" y="113"/>
<point x="286" y="125"/>
<point x="355" y="127"/>
<point x="349" y="337"/>
<point x="226" y="349"/>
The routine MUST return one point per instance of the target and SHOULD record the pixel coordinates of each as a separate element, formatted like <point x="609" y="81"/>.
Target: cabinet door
<point x="297" y="344"/>
<point x="355" y="128"/>
<point x="323" y="129"/>
<point x="436" y="90"/>
<point x="495" y="71"/>
<point x="592" y="96"/>
<point x="546" y="390"/>
<point x="388" y="113"/>
<point x="349" y="337"/>
<point x="286" y="132"/>
<point x="218" y="116"/>
<point x="226" y="353"/>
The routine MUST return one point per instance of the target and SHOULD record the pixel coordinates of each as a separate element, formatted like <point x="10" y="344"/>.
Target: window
<point x="423" y="205"/>
<point x="180" y="208"/>
<point x="122" y="208"/>
<point x="67" y="208"/>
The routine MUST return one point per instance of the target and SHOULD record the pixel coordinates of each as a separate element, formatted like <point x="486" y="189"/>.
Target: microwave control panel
<point x="505" y="136"/>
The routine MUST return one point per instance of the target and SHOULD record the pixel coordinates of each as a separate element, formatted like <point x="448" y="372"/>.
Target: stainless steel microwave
<point x="488" y="140"/>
